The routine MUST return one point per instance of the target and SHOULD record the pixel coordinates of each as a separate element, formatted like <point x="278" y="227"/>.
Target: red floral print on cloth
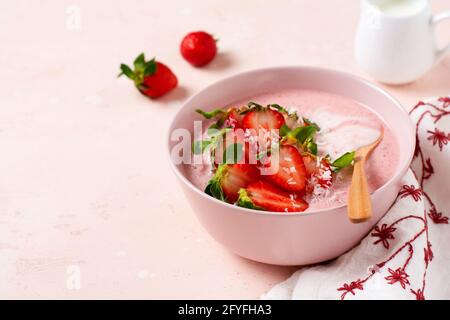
<point x="386" y="232"/>
<point x="411" y="191"/>
<point x="438" y="137"/>
<point x="437" y="217"/>
<point x="419" y="294"/>
<point x="398" y="275"/>
<point x="349" y="288"/>
<point x="445" y="100"/>
<point x="428" y="169"/>
<point x="428" y="254"/>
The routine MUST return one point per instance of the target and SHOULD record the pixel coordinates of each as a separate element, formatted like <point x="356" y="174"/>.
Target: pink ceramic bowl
<point x="294" y="238"/>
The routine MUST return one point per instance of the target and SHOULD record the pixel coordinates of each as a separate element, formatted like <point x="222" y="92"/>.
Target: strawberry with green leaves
<point x="229" y="179"/>
<point x="151" y="78"/>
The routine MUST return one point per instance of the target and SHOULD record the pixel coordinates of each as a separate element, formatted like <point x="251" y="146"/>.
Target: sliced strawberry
<point x="265" y="118"/>
<point x="318" y="171"/>
<point x="238" y="176"/>
<point x="234" y="118"/>
<point x="310" y="162"/>
<point x="268" y="197"/>
<point x="291" y="173"/>
<point x="229" y="179"/>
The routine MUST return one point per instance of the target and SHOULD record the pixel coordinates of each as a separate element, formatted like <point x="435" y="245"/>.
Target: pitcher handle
<point x="435" y="20"/>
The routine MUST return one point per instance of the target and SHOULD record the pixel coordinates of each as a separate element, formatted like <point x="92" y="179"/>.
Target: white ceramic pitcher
<point x="395" y="41"/>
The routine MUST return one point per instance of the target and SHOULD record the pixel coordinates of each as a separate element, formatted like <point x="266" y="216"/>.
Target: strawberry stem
<point x="142" y="69"/>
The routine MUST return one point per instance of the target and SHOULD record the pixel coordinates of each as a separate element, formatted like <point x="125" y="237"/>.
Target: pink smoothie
<point x="345" y="126"/>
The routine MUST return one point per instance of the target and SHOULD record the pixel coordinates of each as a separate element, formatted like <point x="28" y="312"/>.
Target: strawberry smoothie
<point x="345" y="125"/>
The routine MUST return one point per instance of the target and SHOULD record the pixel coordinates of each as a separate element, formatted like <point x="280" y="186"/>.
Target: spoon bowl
<point x="359" y="207"/>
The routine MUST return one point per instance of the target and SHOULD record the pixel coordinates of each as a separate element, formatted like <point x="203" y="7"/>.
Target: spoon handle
<point x="359" y="204"/>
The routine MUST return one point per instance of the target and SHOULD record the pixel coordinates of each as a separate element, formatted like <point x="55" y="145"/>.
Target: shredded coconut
<point x="291" y="181"/>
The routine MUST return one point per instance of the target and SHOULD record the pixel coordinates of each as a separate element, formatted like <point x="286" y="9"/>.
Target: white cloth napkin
<point x="407" y="254"/>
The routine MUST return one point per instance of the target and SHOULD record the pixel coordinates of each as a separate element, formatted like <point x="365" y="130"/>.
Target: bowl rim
<point x="398" y="175"/>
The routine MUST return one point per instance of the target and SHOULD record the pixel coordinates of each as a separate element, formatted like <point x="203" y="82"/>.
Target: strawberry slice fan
<point x="407" y="254"/>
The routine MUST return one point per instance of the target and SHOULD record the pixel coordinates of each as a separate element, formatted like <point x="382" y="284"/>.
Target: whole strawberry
<point x="151" y="78"/>
<point x="198" y="48"/>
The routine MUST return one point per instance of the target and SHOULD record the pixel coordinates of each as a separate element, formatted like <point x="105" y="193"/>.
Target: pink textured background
<point x="84" y="178"/>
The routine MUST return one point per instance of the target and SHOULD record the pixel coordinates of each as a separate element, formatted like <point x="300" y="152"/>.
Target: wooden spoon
<point x="359" y="203"/>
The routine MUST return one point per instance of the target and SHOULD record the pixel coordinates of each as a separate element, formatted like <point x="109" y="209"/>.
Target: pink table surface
<point x="84" y="177"/>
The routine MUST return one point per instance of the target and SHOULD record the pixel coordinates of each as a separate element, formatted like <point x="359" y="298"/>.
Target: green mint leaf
<point x="150" y="67"/>
<point x="302" y="133"/>
<point x="211" y="114"/>
<point x="216" y="139"/>
<point x="139" y="62"/>
<point x="213" y="130"/>
<point x="310" y="123"/>
<point x="305" y="133"/>
<point x="252" y="105"/>
<point x="198" y="147"/>
<point x="312" y="147"/>
<point x="214" y="189"/>
<point x="278" y="107"/>
<point x="233" y="153"/>
<point x="343" y="161"/>
<point x="221" y="120"/>
<point x="284" y="130"/>
<point x="126" y="70"/>
<point x="244" y="201"/>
